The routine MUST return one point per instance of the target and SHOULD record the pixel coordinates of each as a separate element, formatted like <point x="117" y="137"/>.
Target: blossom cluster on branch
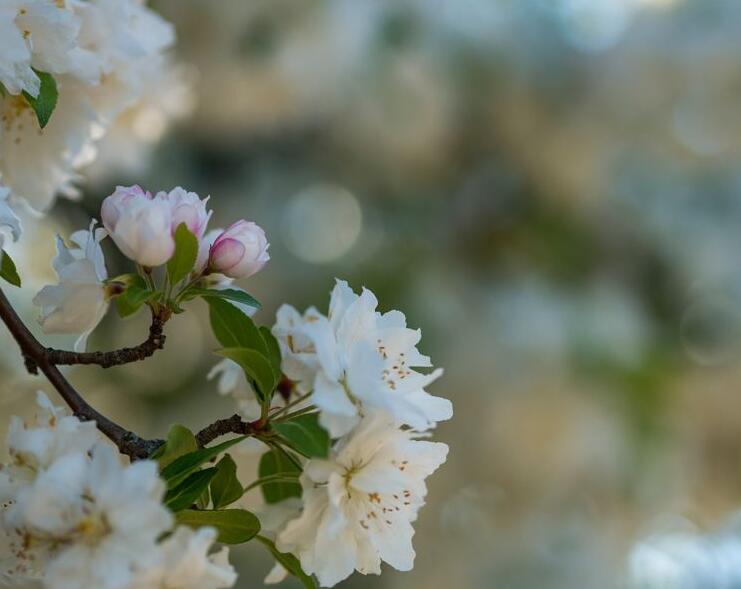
<point x="335" y="403"/>
<point x="68" y="69"/>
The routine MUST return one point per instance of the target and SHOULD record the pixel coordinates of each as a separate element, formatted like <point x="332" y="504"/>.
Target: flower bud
<point x="187" y="207"/>
<point x="141" y="226"/>
<point x="240" y="251"/>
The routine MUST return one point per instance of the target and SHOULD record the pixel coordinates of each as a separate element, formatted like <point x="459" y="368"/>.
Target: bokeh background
<point x="550" y="189"/>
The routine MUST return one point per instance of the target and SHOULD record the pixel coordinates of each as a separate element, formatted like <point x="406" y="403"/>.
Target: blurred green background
<point x="550" y="189"/>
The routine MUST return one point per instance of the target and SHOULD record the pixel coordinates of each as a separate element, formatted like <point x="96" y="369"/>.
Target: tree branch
<point x="36" y="358"/>
<point x="229" y="425"/>
<point x="155" y="341"/>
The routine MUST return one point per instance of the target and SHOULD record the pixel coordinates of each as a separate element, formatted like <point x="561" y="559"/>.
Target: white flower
<point x="184" y="562"/>
<point x="104" y="56"/>
<point x="240" y="251"/>
<point x="140" y="225"/>
<point x="53" y="434"/>
<point x="90" y="521"/>
<point x="187" y="207"/>
<point x="365" y="363"/>
<point x="298" y="351"/>
<point x="79" y="301"/>
<point x="10" y="225"/>
<point x="273" y="518"/>
<point x="687" y="561"/>
<point x="359" y="506"/>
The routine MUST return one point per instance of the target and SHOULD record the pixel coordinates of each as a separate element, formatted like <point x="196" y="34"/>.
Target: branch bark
<point x="155" y="341"/>
<point x="37" y="358"/>
<point x="229" y="425"/>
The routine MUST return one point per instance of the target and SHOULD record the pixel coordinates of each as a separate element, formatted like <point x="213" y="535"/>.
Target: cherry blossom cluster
<point x="73" y="515"/>
<point x="68" y="69"/>
<point x="144" y="227"/>
<point x="358" y="368"/>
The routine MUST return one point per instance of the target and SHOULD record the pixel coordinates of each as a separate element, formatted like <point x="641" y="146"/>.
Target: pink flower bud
<point x="240" y="251"/>
<point x="187" y="207"/>
<point x="141" y="226"/>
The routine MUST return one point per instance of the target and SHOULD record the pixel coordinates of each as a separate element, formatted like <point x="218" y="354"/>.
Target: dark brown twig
<point x="230" y="425"/>
<point x="36" y="358"/>
<point x="155" y="341"/>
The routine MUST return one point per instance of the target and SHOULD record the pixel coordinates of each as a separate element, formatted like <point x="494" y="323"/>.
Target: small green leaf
<point x="227" y="294"/>
<point x="180" y="441"/>
<point x="257" y="368"/>
<point x="130" y="279"/>
<point x="233" y="328"/>
<point x="8" y="271"/>
<point x="235" y="526"/>
<point x="45" y="103"/>
<point x="132" y="299"/>
<point x="225" y="488"/>
<point x="289" y="562"/>
<point x="188" y="492"/>
<point x="276" y="462"/>
<point x="204" y="499"/>
<point x="305" y="435"/>
<point x="186" y="251"/>
<point x="271" y="344"/>
<point x="181" y="468"/>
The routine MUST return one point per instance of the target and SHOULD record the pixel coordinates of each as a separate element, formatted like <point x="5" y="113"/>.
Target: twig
<point x="155" y="341"/>
<point x="36" y="358"/>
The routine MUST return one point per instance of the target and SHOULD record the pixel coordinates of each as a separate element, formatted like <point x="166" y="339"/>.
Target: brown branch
<point x="36" y="358"/>
<point x="229" y="425"/>
<point x="155" y="341"/>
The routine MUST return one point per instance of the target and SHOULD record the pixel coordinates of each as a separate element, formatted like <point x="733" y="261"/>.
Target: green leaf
<point x="225" y="488"/>
<point x="186" y="251"/>
<point x="227" y="294"/>
<point x="305" y="435"/>
<point x="189" y="491"/>
<point x="180" y="441"/>
<point x="257" y="368"/>
<point x="289" y="562"/>
<point x="43" y="105"/>
<point x="234" y="525"/>
<point x="273" y="348"/>
<point x="276" y="462"/>
<point x="8" y="271"/>
<point x="181" y="468"/>
<point x="233" y="328"/>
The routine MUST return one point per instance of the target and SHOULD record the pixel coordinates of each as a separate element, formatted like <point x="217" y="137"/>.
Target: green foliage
<point x="45" y="103"/>
<point x="227" y="294"/>
<point x="235" y="526"/>
<point x="8" y="271"/>
<point x="253" y="348"/>
<point x="186" y="251"/>
<point x="190" y="490"/>
<point x="180" y="441"/>
<point x="277" y="462"/>
<point x="181" y="468"/>
<point x="258" y="369"/>
<point x="136" y="294"/>
<point x="225" y="487"/>
<point x="304" y="434"/>
<point x="289" y="562"/>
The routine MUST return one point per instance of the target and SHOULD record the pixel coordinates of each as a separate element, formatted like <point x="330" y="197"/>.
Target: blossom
<point x="89" y="521"/>
<point x="360" y="504"/>
<point x="240" y="251"/>
<point x="363" y="362"/>
<point x="10" y="226"/>
<point x="140" y="225"/>
<point x="187" y="207"/>
<point x="53" y="434"/>
<point x="104" y="56"/>
<point x="687" y="560"/>
<point x="298" y="351"/>
<point x="184" y="562"/>
<point x="79" y="301"/>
